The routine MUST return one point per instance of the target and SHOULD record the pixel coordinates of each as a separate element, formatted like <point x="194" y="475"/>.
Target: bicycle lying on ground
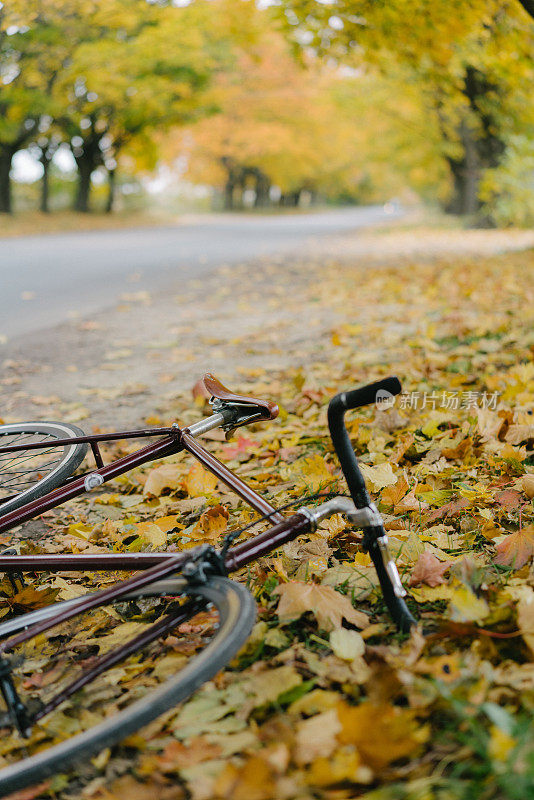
<point x="36" y="465"/>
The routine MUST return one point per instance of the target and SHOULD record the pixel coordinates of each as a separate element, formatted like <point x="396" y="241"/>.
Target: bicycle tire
<point x="67" y="458"/>
<point x="237" y="612"/>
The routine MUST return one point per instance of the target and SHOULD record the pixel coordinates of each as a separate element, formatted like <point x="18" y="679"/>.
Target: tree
<point x="23" y="93"/>
<point x="102" y="74"/>
<point x="473" y="59"/>
<point x="146" y="71"/>
<point x="308" y="126"/>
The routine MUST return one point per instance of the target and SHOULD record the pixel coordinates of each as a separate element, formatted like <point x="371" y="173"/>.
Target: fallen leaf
<point x="311" y="472"/>
<point x="516" y="549"/>
<point x="328" y="606"/>
<point x="393" y="494"/>
<point x="343" y="765"/>
<point x="428" y="569"/>
<point x="211" y="524"/>
<point x="151" y="533"/>
<point x="382" y="733"/>
<point x="528" y="485"/>
<point x="253" y="780"/>
<point x="380" y="476"/>
<point x="509" y="499"/>
<point x="167" y="476"/>
<point x="525" y="615"/>
<point x="347" y="644"/>
<point x="199" y="481"/>
<point x="465" y="606"/>
<point x="316" y="736"/>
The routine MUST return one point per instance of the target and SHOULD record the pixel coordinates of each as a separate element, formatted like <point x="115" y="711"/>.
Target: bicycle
<point x="39" y="461"/>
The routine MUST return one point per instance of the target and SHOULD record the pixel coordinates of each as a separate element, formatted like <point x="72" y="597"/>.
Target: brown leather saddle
<point x="248" y="409"/>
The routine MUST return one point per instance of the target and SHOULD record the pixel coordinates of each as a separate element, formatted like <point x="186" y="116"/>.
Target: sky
<point x="27" y="169"/>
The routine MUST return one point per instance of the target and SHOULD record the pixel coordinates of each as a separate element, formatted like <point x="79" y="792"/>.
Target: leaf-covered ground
<point x="326" y="700"/>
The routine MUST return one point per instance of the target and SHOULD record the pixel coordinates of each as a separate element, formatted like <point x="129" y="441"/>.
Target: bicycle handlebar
<point x="365" y="395"/>
<point x="375" y="539"/>
<point x="376" y="392"/>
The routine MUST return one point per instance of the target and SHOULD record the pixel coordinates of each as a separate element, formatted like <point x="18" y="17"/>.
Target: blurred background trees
<point x="287" y="103"/>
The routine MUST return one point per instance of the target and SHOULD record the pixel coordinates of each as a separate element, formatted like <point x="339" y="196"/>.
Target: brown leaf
<point x="328" y="606"/>
<point x="459" y="451"/>
<point x="212" y="524"/>
<point x="509" y="498"/>
<point x="516" y="549"/>
<point x="449" y="509"/>
<point x="392" y="495"/>
<point x="517" y="434"/>
<point x="199" y="392"/>
<point x="178" y="756"/>
<point x="410" y="503"/>
<point x="404" y="444"/>
<point x="429" y="570"/>
<point x="31" y="598"/>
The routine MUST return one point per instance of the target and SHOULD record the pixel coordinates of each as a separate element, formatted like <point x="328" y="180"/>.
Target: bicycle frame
<point x="155" y="566"/>
<point x="175" y="440"/>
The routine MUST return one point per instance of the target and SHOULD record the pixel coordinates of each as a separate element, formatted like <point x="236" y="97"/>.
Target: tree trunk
<point x="466" y="174"/>
<point x="229" y="187"/>
<point x="110" y="201"/>
<point x="482" y="144"/>
<point x="290" y="199"/>
<point x="263" y="186"/>
<point x="45" y="185"/>
<point x="6" y="157"/>
<point x="85" y="170"/>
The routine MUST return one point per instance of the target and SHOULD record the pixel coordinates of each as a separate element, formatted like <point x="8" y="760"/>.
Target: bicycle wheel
<point x="236" y="611"/>
<point x="27" y="474"/>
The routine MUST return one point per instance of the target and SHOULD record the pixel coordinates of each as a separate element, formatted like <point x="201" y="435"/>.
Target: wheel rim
<point x="22" y="471"/>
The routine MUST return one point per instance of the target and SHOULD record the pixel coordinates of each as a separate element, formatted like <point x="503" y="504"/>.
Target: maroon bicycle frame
<point x="155" y="566"/>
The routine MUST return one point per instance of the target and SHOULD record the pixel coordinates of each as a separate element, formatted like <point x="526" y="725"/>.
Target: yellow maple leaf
<point x="328" y="606"/>
<point x="382" y="733"/>
<point x="152" y="534"/>
<point x="380" y="476"/>
<point x="344" y="764"/>
<point x="465" y="606"/>
<point x="310" y="472"/>
<point x="167" y="476"/>
<point x="199" y="481"/>
<point x="168" y="523"/>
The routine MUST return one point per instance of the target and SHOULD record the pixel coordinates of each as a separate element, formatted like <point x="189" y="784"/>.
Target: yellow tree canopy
<point x="309" y="124"/>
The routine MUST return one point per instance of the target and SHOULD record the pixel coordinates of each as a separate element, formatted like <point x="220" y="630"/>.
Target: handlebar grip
<point x="340" y="438"/>
<point x="372" y="393"/>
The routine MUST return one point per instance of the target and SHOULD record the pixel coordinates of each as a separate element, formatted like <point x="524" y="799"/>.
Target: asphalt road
<point x="47" y="279"/>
